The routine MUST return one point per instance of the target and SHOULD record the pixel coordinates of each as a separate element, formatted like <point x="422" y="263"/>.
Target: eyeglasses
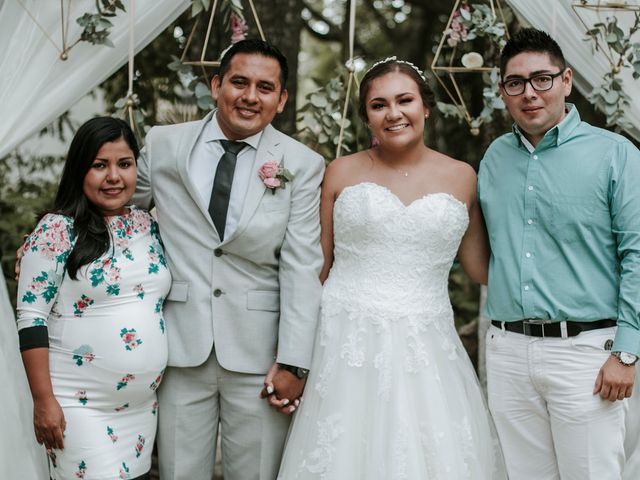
<point x="540" y="83"/>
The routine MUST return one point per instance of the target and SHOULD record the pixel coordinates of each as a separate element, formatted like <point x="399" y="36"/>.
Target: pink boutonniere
<point x="274" y="176"/>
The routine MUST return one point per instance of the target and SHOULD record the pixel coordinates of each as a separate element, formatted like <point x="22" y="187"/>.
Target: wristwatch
<point x="627" y="359"/>
<point x="297" y="371"/>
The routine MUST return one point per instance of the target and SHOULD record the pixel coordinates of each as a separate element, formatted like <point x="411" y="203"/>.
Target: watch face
<point x="627" y="358"/>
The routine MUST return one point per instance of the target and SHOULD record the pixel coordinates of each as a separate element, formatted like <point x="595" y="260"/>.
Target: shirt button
<point x="528" y="255"/>
<point x="535" y="157"/>
<point x="529" y="221"/>
<point x="217" y="292"/>
<point x="217" y="252"/>
<point x="526" y="288"/>
<point x="530" y="187"/>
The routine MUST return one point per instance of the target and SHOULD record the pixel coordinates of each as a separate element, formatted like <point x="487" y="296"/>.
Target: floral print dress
<point x="107" y="342"/>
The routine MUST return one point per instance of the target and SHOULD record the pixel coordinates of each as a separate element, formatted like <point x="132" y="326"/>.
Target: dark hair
<point x="531" y="40"/>
<point x="92" y="235"/>
<point x="390" y="66"/>
<point x="257" y="47"/>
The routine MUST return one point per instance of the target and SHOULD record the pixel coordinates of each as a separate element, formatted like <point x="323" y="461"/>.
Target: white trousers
<point x="550" y="424"/>
<point x="193" y="401"/>
<point x="632" y="438"/>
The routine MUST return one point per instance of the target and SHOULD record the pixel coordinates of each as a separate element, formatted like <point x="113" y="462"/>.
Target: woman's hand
<point x="49" y="422"/>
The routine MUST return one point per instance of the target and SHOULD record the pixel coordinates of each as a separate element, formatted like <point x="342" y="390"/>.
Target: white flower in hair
<point x="395" y="59"/>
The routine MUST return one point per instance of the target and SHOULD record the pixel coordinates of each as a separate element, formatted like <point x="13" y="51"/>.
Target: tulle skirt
<point x="390" y="396"/>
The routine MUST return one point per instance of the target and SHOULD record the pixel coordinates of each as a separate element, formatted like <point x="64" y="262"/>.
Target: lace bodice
<point x="388" y="255"/>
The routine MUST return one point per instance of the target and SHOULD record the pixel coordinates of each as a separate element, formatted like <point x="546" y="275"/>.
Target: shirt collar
<point x="556" y="135"/>
<point x="212" y="133"/>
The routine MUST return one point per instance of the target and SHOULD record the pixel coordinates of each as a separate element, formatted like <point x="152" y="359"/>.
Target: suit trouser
<point x="193" y="400"/>
<point x="550" y="424"/>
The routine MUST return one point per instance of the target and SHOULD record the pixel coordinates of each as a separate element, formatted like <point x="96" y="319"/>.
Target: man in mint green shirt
<point x="561" y="200"/>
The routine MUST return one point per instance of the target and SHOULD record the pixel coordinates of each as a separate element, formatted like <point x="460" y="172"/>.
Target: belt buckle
<point x="526" y="326"/>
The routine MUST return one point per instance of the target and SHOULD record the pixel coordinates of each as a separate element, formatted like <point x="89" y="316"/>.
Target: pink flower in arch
<point x="239" y="28"/>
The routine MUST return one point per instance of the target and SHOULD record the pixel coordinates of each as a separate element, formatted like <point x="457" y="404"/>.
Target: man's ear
<point x="216" y="81"/>
<point x="567" y="81"/>
<point x="284" y="95"/>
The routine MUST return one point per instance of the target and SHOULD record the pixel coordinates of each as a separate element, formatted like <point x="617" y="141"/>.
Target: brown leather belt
<point x="551" y="328"/>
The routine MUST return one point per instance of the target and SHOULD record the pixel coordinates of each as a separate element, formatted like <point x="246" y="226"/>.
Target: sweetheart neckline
<point x="394" y="195"/>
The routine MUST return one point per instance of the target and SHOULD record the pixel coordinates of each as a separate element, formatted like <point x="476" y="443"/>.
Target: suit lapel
<point x="269" y="149"/>
<point x="184" y="152"/>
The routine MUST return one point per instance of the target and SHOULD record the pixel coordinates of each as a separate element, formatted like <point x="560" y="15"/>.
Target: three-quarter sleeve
<point x="42" y="269"/>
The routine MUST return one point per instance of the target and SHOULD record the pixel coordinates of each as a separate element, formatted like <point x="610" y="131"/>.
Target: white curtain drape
<point x="36" y="86"/>
<point x="557" y="18"/>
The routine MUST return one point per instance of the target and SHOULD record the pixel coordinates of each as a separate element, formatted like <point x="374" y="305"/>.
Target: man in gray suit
<point x="243" y="249"/>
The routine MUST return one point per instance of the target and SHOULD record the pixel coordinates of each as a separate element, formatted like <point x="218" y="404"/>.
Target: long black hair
<point x="91" y="232"/>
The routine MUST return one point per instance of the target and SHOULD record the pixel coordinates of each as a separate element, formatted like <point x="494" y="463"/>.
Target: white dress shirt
<point x="204" y="161"/>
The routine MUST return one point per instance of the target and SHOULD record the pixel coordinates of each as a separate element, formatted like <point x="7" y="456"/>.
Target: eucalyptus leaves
<point x="320" y="118"/>
<point x="619" y="48"/>
<point x="468" y="23"/>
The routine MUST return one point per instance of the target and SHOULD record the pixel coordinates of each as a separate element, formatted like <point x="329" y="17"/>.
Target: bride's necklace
<point x="404" y="173"/>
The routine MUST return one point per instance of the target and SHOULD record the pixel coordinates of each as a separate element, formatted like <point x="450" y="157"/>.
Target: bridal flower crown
<point x="395" y="59"/>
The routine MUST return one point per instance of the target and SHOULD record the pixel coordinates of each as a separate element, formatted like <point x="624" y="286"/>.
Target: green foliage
<point x="610" y="97"/>
<point x="96" y="25"/>
<point x="481" y="22"/>
<point x="320" y="118"/>
<point x="27" y="187"/>
<point x="469" y="23"/>
<point x="194" y="88"/>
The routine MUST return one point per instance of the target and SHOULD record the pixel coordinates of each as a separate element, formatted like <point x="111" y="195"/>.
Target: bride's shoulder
<point x="344" y="171"/>
<point x="347" y="166"/>
<point x="454" y="167"/>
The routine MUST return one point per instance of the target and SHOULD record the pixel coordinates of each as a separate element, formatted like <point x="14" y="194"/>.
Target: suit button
<point x="217" y="292"/>
<point x="217" y="252"/>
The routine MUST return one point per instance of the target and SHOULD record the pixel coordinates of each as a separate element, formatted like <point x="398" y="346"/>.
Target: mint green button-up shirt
<point x="564" y="226"/>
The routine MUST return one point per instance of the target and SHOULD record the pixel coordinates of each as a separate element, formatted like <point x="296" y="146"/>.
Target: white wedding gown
<point x="391" y="393"/>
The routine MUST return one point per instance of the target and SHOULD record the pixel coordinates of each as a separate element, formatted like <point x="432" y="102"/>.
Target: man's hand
<point x="282" y="389"/>
<point x="49" y="422"/>
<point x="615" y="381"/>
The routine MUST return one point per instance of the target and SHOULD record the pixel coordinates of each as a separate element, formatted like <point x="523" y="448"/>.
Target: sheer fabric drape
<point x="36" y="86"/>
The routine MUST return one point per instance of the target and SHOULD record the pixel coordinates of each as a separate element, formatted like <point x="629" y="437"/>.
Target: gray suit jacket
<point x="255" y="296"/>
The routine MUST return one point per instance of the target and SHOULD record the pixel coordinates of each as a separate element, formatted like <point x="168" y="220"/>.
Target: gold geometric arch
<point x="582" y="10"/>
<point x="446" y="71"/>
<point x="202" y="61"/>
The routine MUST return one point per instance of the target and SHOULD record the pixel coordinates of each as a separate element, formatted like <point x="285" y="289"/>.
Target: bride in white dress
<point x="392" y="393"/>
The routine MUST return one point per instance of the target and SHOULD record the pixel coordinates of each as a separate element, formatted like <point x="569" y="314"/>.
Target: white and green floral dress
<point x="106" y="338"/>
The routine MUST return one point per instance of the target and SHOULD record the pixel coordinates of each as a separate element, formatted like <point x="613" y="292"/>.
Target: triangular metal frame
<point x="453" y="89"/>
<point x="598" y="7"/>
<point x="202" y="62"/>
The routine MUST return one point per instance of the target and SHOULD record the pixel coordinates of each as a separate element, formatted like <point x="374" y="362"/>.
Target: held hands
<point x="282" y="389"/>
<point x="615" y="381"/>
<point x="49" y="422"/>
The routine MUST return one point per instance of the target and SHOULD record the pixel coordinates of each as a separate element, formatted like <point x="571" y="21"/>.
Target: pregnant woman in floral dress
<point x="92" y="283"/>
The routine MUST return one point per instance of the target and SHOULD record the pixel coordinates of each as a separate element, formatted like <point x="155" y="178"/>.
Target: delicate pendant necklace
<point x="404" y="173"/>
